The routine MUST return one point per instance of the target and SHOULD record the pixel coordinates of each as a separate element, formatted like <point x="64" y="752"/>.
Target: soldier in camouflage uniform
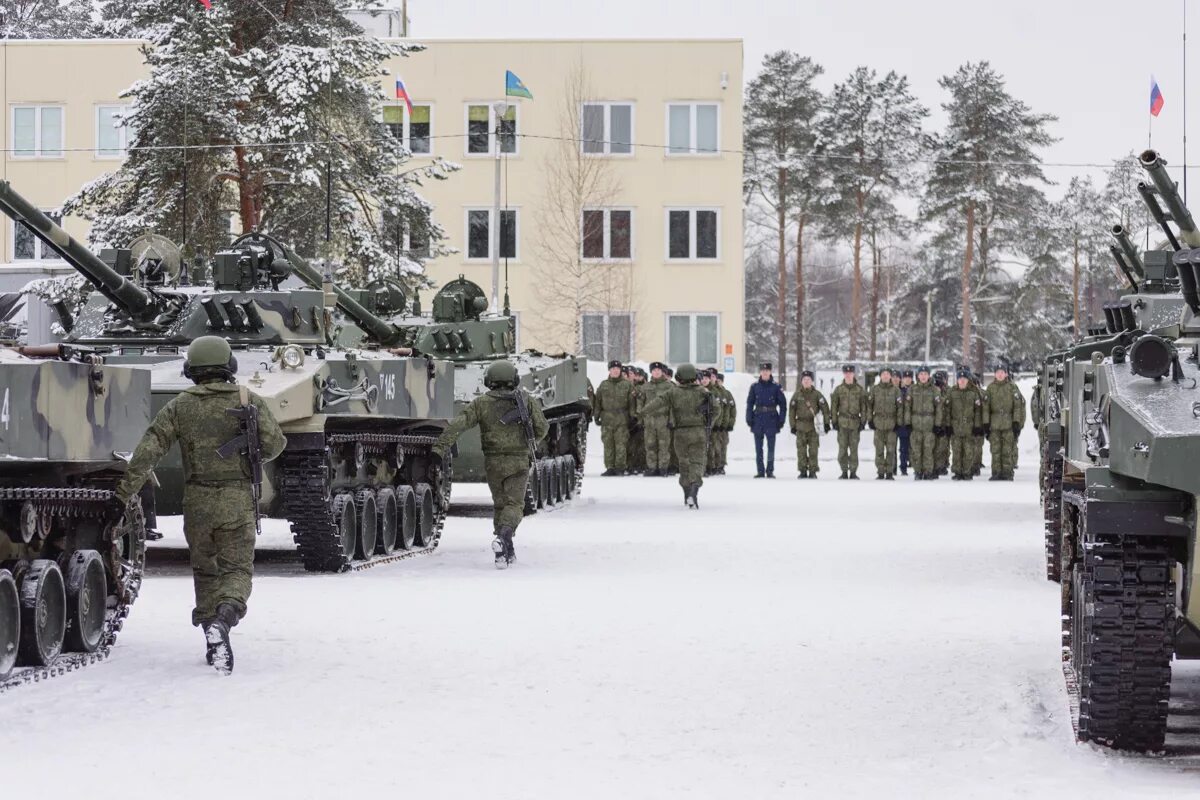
<point x="924" y="415"/>
<point x="963" y="412"/>
<point x="807" y="403"/>
<point x="506" y="450"/>
<point x="977" y="386"/>
<point x="884" y="416"/>
<point x="941" y="444"/>
<point x="720" y="439"/>
<point x="219" y="517"/>
<point x="905" y="428"/>
<point x="1003" y="416"/>
<point x="612" y="410"/>
<point x="637" y="438"/>
<point x="673" y="464"/>
<point x="848" y="410"/>
<point x="690" y="409"/>
<point x="656" y="433"/>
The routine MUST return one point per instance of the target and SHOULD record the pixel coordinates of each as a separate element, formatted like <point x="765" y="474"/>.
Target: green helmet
<point x="500" y="373"/>
<point x="685" y="372"/>
<point x="209" y="353"/>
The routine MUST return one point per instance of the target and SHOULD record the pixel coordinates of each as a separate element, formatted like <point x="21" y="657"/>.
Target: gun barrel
<point x="112" y="285"/>
<point x="1156" y="169"/>
<point x="1121" y="265"/>
<point x="1132" y="257"/>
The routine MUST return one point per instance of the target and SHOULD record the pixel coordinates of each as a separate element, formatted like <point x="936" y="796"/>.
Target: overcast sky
<point x="1087" y="61"/>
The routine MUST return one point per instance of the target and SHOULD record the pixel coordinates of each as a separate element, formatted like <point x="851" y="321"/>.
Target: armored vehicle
<point x="355" y="481"/>
<point x="67" y="576"/>
<point x="1127" y="413"/>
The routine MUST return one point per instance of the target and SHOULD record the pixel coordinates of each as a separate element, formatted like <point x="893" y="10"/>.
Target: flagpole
<point x="1185" y="164"/>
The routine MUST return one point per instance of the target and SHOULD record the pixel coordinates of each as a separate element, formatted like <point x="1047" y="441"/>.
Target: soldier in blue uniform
<point x="766" y="410"/>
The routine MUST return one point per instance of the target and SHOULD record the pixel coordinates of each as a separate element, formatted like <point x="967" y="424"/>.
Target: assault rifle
<point x="248" y="444"/>
<point x="521" y="413"/>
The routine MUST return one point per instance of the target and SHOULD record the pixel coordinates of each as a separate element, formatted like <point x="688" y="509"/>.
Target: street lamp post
<point x="928" y="322"/>
<point x="501" y="108"/>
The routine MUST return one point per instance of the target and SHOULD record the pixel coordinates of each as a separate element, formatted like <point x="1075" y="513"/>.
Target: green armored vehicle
<point x="67" y="576"/>
<point x="1127" y="510"/>
<point x="355" y="481"/>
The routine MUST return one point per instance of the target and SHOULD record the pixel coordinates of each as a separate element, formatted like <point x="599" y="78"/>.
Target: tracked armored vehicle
<point x="68" y="576"/>
<point x="1128" y="419"/>
<point x="355" y="480"/>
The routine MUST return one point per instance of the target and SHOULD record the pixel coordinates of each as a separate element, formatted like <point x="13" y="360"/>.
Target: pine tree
<point x="47" y="19"/>
<point x="1081" y="211"/>
<point x="271" y="113"/>
<point x="986" y="173"/>
<point x="872" y="138"/>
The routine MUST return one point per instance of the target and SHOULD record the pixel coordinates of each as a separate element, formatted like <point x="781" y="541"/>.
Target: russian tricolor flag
<point x="402" y="94"/>
<point x="1156" y="97"/>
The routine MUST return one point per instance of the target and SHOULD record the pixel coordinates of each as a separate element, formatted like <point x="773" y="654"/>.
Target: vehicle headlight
<point x="291" y="356"/>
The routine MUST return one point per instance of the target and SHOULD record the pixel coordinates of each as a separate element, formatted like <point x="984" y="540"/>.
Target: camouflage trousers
<point x="218" y="523"/>
<point x="978" y="452"/>
<point x="847" y="439"/>
<point x="807" y="444"/>
<point x="635" y="451"/>
<point x="691" y="452"/>
<point x="718" y="446"/>
<point x="962" y="448"/>
<point x="658" y="443"/>
<point x="507" y="476"/>
<point x="941" y="453"/>
<point x="615" y="436"/>
<point x="1004" y="451"/>
<point x="921" y="451"/>
<point x="885" y="450"/>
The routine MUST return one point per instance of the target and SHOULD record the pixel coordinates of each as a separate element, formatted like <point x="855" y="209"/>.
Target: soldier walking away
<point x="689" y="406"/>
<point x="964" y="419"/>
<point x="511" y="424"/>
<point x="884" y="416"/>
<point x="848" y="409"/>
<point x="655" y="432"/>
<point x="613" y="409"/>
<point x="766" y="409"/>
<point x="941" y="445"/>
<point x="728" y="418"/>
<point x="220" y="517"/>
<point x="925" y="417"/>
<point x="637" y="440"/>
<point x="1004" y="416"/>
<point x="806" y="404"/>
<point x="905" y="429"/>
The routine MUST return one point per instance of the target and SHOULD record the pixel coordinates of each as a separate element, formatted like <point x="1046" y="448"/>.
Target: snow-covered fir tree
<point x="272" y="111"/>
<point x="47" y="19"/>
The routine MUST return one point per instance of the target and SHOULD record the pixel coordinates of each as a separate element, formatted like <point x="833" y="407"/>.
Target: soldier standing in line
<point x="690" y="408"/>
<point x="706" y="382"/>
<point x="941" y="444"/>
<point x="219" y="517"/>
<point x="963" y="412"/>
<point x="727" y="418"/>
<point x="506" y="449"/>
<point x="884" y="412"/>
<point x="1004" y="416"/>
<point x="656" y="434"/>
<point x="925" y="416"/>
<point x="906" y="379"/>
<point x="977" y="385"/>
<point x="637" y="439"/>
<point x="612" y="410"/>
<point x="673" y="463"/>
<point x="848" y="409"/>
<point x="807" y="403"/>
<point x="766" y="409"/>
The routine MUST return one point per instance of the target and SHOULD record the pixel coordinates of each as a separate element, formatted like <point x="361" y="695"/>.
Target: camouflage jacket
<point x="963" y="410"/>
<point x="496" y="437"/>
<point x="848" y="405"/>
<point x="196" y="419"/>
<point x="884" y="407"/>
<point x="806" y="404"/>
<point x="924" y="406"/>
<point x="649" y="391"/>
<point x="687" y="403"/>
<point x="728" y="408"/>
<point x="1004" y="405"/>
<point x="614" y="401"/>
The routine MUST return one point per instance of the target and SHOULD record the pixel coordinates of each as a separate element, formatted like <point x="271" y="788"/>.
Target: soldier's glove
<point x="793" y="430"/>
<point x="1016" y="429"/>
<point x="827" y="427"/>
<point x="114" y="510"/>
<point x="977" y="431"/>
<point x="598" y="423"/>
<point x="987" y="430"/>
<point x="862" y="426"/>
<point x="835" y="426"/>
<point x="779" y="428"/>
<point x="871" y="425"/>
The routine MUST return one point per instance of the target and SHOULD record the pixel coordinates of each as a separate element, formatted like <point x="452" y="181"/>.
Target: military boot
<point x="881" y="477"/>
<point x="216" y="635"/>
<point x="844" y="475"/>
<point x="803" y="474"/>
<point x="853" y="475"/>
<point x="690" y="496"/>
<point x="891" y="476"/>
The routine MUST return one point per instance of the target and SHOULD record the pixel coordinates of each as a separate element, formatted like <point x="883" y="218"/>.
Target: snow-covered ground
<point x="790" y="639"/>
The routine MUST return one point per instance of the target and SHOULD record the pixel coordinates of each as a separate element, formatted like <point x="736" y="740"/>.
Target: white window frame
<point x="692" y="316"/>
<point x="515" y="258"/>
<point x="606" y="315"/>
<point x="122" y="131"/>
<point x="406" y="137"/>
<point x="607" y="257"/>
<point x="406" y="239"/>
<point x="37" y="131"/>
<point x="691" y="258"/>
<point x="493" y="144"/>
<point x="607" y="136"/>
<point x="39" y="246"/>
<point x="692" y="151"/>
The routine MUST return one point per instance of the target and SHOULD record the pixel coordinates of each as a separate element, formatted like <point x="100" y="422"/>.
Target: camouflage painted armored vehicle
<point x="355" y="481"/>
<point x="67" y="576"/>
<point x="1127" y="548"/>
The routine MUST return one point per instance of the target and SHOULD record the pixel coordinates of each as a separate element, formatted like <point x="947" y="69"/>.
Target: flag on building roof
<point x="402" y="94"/>
<point x="207" y="4"/>
<point x="1156" y="97"/>
<point x="513" y="86"/>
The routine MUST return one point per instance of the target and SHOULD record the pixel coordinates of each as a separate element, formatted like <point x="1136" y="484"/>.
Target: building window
<point x="693" y="234"/>
<point x="415" y="130"/>
<point x="37" y="131"/>
<point x="407" y="233"/>
<point x="479" y="233"/>
<point x="112" y="132"/>
<point x="481" y="128"/>
<point x="607" y="128"/>
<point x="692" y="338"/>
<point x="692" y="129"/>
<point x="27" y="247"/>
<point x="604" y="337"/>
<point x="607" y="233"/>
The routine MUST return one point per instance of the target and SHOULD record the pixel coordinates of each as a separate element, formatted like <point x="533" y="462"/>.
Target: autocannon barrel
<point x="115" y="287"/>
<point x="1132" y="257"/>
<point x="1156" y="169"/>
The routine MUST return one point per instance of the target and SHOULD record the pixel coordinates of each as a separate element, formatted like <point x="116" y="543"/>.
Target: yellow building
<point x="621" y="227"/>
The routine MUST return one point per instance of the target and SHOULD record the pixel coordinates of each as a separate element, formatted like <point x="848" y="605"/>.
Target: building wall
<point x="449" y="75"/>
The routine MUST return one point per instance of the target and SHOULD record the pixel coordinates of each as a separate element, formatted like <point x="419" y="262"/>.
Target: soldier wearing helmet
<point x="691" y="410"/>
<point x="507" y="449"/>
<point x="218" y="505"/>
